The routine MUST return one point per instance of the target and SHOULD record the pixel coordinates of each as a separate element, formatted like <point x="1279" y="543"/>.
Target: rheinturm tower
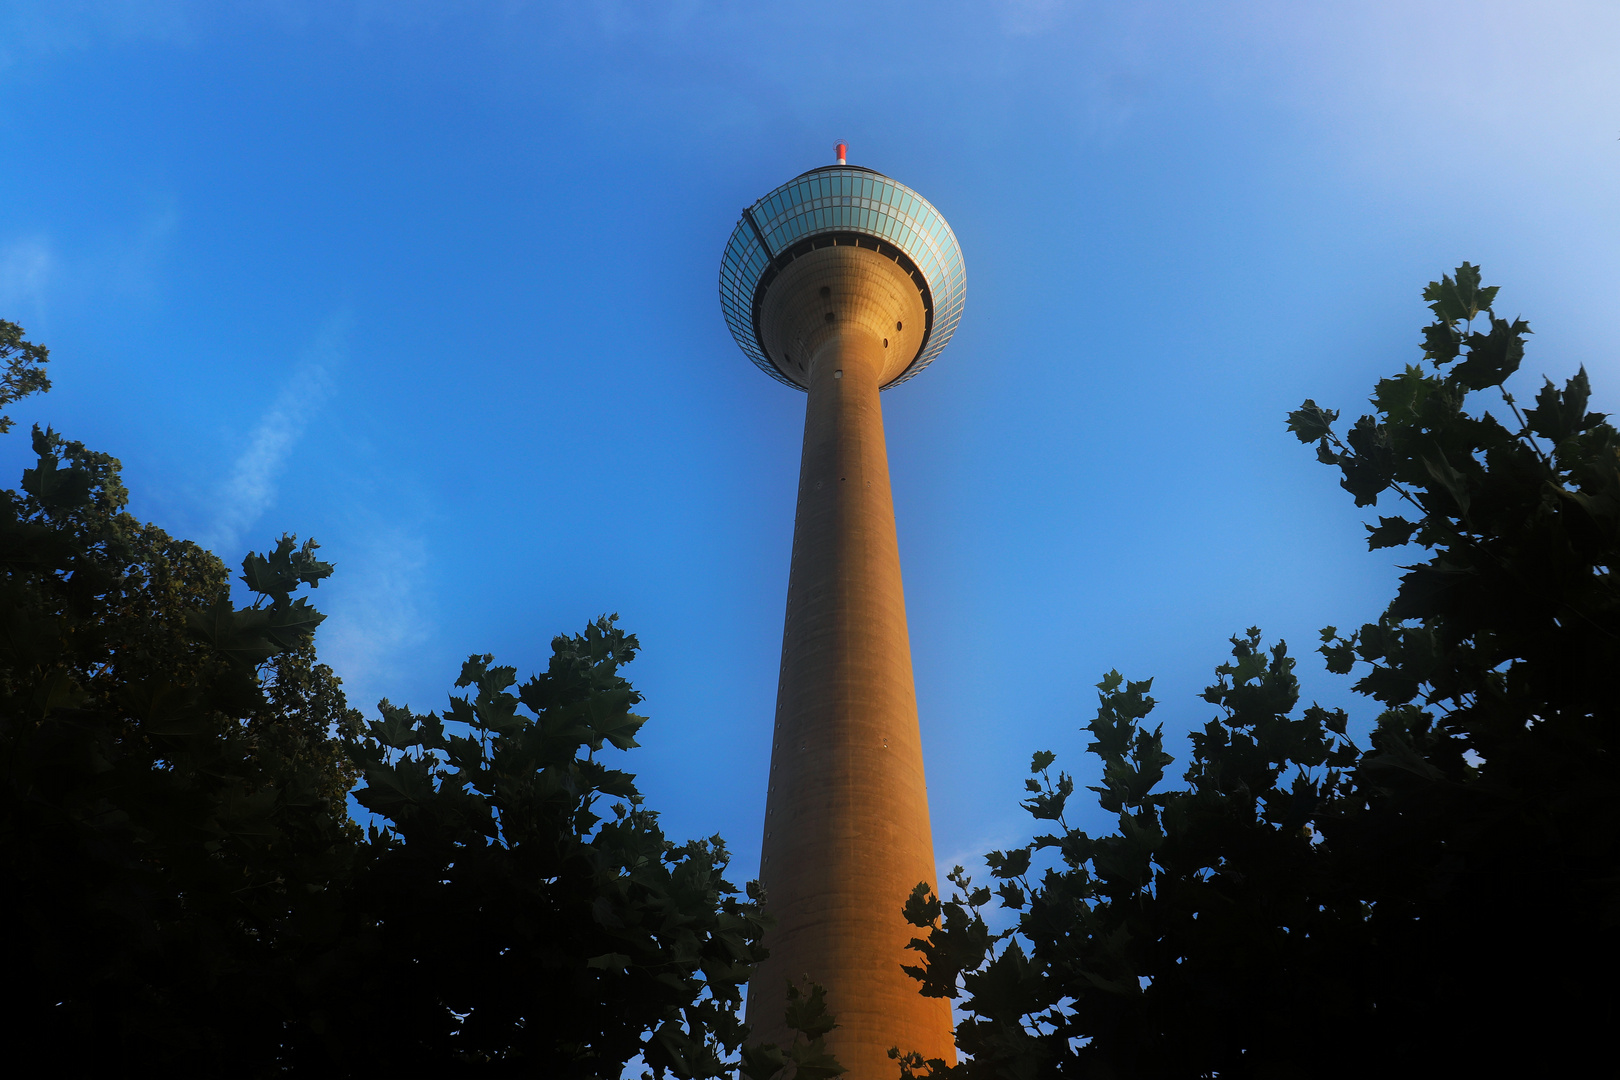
<point x="844" y="283"/>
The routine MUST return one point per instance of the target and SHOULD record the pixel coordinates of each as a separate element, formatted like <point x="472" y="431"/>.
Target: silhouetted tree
<point x="24" y="370"/>
<point x="171" y="787"/>
<point x="1444" y="900"/>
<point x="183" y="888"/>
<point x="807" y="1056"/>
<point x="521" y="910"/>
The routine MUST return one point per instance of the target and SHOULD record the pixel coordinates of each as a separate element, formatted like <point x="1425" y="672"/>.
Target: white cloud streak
<point x="33" y="28"/>
<point x="1020" y="18"/>
<point x="25" y="269"/>
<point x="251" y="488"/>
<point x="374" y="613"/>
<point x="971" y="858"/>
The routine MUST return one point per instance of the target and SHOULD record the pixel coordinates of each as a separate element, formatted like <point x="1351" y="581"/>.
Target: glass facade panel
<point x="844" y="199"/>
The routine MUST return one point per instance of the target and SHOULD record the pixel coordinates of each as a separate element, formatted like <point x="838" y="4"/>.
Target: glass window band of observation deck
<point x="842" y="204"/>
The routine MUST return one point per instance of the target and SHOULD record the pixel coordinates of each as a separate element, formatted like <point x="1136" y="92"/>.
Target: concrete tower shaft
<point x="846" y="830"/>
<point x="843" y="282"/>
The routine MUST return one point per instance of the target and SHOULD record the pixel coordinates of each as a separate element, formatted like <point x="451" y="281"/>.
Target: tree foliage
<point x="171" y="788"/>
<point x="807" y="1056"/>
<point x="521" y="910"/>
<point x="1441" y="899"/>
<point x="24" y="368"/>
<point x="180" y="877"/>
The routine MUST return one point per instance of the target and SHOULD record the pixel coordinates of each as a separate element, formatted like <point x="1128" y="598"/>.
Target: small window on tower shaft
<point x="899" y="326"/>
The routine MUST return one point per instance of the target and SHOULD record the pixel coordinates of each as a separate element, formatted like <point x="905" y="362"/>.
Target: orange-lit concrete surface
<point x="846" y="826"/>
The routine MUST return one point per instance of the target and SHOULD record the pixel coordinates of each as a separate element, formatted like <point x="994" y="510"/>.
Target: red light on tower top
<point x="843" y="151"/>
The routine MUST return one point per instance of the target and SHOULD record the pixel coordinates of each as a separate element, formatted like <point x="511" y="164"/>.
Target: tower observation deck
<point x="843" y="282"/>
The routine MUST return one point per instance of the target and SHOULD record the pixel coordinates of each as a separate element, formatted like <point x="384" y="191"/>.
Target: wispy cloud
<point x="25" y="270"/>
<point x="39" y="272"/>
<point x="35" y="27"/>
<point x="375" y="612"/>
<point x="1023" y="17"/>
<point x="133" y="263"/>
<point x="971" y="858"/>
<point x="251" y="487"/>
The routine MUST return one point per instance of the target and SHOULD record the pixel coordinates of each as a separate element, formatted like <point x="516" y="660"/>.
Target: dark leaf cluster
<point x="23" y="370"/>
<point x="520" y="909"/>
<point x="1126" y="946"/>
<point x="183" y="886"/>
<point x="807" y="1056"/>
<point x="1444" y="899"/>
<point x="172" y="812"/>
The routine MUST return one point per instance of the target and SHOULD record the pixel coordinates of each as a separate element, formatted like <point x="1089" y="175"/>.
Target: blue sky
<point x="435" y="284"/>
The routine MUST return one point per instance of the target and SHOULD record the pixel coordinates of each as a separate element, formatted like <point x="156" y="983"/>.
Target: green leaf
<point x="1493" y="356"/>
<point x="1389" y="532"/>
<point x="807" y="1012"/>
<point x="1459" y="299"/>
<point x="1399" y="754"/>
<point x="1401" y="398"/>
<point x="922" y="907"/>
<point x="1441" y="343"/>
<point x="1557" y="415"/>
<point x="621" y="730"/>
<point x="1451" y="482"/>
<point x="397" y="729"/>
<point x="762" y="1062"/>
<point x="1011" y="864"/>
<point x="816" y="1064"/>
<point x="1370" y="468"/>
<point x="1048" y="805"/>
<point x="280" y="573"/>
<point x="24" y="371"/>
<point x="56" y="488"/>
<point x="1310" y="422"/>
